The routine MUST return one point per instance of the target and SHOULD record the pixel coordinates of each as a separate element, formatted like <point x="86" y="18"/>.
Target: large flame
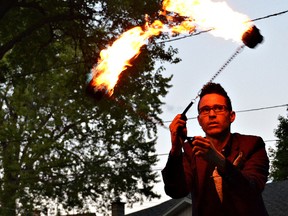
<point x="201" y="14"/>
<point x="115" y="58"/>
<point x="208" y="14"/>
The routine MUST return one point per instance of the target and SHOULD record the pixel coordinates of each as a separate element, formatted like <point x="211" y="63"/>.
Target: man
<point x="224" y="172"/>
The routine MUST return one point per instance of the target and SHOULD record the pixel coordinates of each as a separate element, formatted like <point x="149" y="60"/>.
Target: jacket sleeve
<point x="177" y="176"/>
<point x="250" y="176"/>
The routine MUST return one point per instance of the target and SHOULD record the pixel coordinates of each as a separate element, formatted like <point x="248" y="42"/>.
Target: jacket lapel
<point x="234" y="149"/>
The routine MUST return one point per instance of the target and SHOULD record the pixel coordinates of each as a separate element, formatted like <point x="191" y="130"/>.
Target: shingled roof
<point x="275" y="197"/>
<point x="165" y="207"/>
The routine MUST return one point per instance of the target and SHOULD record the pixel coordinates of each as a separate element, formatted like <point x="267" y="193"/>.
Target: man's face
<point x="214" y="117"/>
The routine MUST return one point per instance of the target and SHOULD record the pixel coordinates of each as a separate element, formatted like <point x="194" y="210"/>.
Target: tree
<point x="279" y="169"/>
<point x="56" y="144"/>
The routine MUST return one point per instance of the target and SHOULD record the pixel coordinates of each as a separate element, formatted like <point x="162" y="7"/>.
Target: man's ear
<point x="232" y="116"/>
<point x="199" y="121"/>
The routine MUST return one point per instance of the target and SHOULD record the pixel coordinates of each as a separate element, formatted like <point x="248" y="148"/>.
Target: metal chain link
<point x="239" y="49"/>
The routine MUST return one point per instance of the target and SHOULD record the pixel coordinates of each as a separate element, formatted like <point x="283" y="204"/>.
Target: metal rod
<point x="188" y="107"/>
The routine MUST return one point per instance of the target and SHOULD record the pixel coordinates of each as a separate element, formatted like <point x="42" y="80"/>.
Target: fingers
<point x="201" y="142"/>
<point x="177" y="122"/>
<point x="198" y="151"/>
<point x="201" y="146"/>
<point x="178" y="127"/>
<point x="178" y="131"/>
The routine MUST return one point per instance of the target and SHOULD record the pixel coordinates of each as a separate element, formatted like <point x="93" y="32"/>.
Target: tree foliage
<point x="279" y="169"/>
<point x="56" y="144"/>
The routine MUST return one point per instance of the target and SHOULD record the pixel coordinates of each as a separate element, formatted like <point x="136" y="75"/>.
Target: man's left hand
<point x="203" y="147"/>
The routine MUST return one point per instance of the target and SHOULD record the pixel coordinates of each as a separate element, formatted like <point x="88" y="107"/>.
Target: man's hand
<point x="178" y="133"/>
<point x="202" y="147"/>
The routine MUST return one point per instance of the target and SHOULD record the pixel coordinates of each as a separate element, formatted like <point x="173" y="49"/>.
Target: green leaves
<point x="56" y="143"/>
<point x="279" y="170"/>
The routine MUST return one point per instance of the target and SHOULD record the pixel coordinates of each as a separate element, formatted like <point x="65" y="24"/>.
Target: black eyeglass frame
<point x="217" y="108"/>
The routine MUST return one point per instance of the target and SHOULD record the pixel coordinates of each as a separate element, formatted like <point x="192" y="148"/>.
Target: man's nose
<point x="212" y="112"/>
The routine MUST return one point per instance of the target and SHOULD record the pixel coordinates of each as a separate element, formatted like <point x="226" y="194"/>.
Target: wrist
<point x="175" y="151"/>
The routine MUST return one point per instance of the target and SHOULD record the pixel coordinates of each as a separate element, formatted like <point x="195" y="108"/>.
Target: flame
<point x="116" y="57"/>
<point x="208" y="14"/>
<point x="203" y="14"/>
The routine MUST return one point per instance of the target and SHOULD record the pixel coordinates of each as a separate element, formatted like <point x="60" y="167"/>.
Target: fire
<point x="116" y="58"/>
<point x="208" y="14"/>
<point x="201" y="14"/>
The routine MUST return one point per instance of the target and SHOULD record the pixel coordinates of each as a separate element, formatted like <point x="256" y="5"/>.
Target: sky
<point x="256" y="78"/>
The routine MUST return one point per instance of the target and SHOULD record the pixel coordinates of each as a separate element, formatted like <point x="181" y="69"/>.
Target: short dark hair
<point x="215" y="88"/>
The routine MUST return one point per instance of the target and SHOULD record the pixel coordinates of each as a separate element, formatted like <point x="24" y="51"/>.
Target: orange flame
<point x="115" y="58"/>
<point x="205" y="14"/>
<point x="208" y="14"/>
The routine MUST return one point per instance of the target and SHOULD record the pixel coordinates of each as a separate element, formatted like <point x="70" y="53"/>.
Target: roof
<point x="84" y="214"/>
<point x="164" y="208"/>
<point x="275" y="197"/>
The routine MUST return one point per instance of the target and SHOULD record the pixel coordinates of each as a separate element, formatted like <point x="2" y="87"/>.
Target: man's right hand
<point x="178" y="133"/>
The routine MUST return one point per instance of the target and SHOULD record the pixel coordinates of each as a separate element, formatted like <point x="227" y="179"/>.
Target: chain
<point x="239" y="49"/>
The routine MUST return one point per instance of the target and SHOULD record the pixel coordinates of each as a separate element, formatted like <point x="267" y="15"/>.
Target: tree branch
<point x="54" y="19"/>
<point x="5" y="6"/>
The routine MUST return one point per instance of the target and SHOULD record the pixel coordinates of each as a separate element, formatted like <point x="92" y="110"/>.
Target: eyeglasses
<point x="218" y="109"/>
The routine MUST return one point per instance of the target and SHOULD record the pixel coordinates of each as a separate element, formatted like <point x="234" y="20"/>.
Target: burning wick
<point x="252" y="37"/>
<point x="96" y="94"/>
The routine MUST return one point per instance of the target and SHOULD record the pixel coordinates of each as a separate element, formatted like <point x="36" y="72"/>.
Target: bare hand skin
<point x="204" y="148"/>
<point x="177" y="130"/>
